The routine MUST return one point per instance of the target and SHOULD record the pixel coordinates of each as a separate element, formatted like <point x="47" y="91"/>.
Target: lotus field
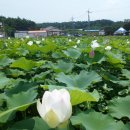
<point x="65" y="83"/>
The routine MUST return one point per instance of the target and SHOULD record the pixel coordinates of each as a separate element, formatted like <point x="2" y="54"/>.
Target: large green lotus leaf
<point x="20" y="87"/>
<point x="62" y="66"/>
<point x="96" y="121"/>
<point x="115" y="58"/>
<point x="73" y="53"/>
<point x="83" y="80"/>
<point x="17" y="102"/>
<point x="120" y="107"/>
<point x="22" y="52"/>
<point x="126" y="73"/>
<point x="57" y="55"/>
<point x="23" y="63"/>
<point x="32" y="49"/>
<point x="114" y="79"/>
<point x="34" y="123"/>
<point x="8" y="114"/>
<point x="98" y="58"/>
<point x="41" y="77"/>
<point x="127" y="126"/>
<point x="4" y="81"/>
<point x="20" y="99"/>
<point x="79" y="96"/>
<point x="50" y="47"/>
<point x="15" y="73"/>
<point x="5" y="61"/>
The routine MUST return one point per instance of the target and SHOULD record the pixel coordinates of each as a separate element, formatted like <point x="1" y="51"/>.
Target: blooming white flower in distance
<point x="43" y="39"/>
<point x="127" y="41"/>
<point x="108" y="48"/>
<point x="27" y="36"/>
<point x="70" y="40"/>
<point x="75" y="46"/>
<point x="55" y="108"/>
<point x="22" y="39"/>
<point x="38" y="42"/>
<point x="78" y="41"/>
<point x="6" y="44"/>
<point x="94" y="44"/>
<point x="30" y="43"/>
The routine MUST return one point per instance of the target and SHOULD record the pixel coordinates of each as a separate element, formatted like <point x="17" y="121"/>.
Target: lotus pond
<point x="94" y="70"/>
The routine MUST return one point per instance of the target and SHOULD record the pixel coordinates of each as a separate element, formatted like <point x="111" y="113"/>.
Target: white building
<point x="32" y="34"/>
<point x="101" y="32"/>
<point x="2" y="34"/>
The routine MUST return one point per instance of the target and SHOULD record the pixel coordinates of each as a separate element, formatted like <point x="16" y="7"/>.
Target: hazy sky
<point x="64" y="10"/>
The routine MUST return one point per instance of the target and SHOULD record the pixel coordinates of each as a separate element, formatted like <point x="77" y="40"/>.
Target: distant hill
<point x="98" y="24"/>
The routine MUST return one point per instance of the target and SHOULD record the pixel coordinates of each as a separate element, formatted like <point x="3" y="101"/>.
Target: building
<point x="120" y="31"/>
<point x="20" y="34"/>
<point x="2" y="33"/>
<point x="101" y="32"/>
<point x="32" y="34"/>
<point x="43" y="32"/>
<point x="92" y="32"/>
<point x="52" y="31"/>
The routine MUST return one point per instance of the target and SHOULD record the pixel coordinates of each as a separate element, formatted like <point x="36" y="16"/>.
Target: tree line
<point x="10" y="25"/>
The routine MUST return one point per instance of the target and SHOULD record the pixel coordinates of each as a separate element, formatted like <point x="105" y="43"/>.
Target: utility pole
<point x="73" y="26"/>
<point x="88" y="19"/>
<point x="72" y="19"/>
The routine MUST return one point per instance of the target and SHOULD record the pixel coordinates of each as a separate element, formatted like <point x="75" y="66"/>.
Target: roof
<point x="121" y="30"/>
<point x="92" y="30"/>
<point x="37" y="31"/>
<point x="51" y="29"/>
<point x="21" y="31"/>
<point x="33" y="31"/>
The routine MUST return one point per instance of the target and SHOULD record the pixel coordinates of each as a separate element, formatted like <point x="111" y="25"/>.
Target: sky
<point x="41" y="11"/>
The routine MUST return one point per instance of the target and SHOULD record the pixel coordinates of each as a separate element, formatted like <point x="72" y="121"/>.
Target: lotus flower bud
<point x="91" y="54"/>
<point x="55" y="108"/>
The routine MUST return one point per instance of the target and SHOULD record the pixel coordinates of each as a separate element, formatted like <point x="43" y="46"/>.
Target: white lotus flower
<point x="70" y="40"/>
<point x="95" y="44"/>
<point x="78" y="41"/>
<point x="75" y="46"/>
<point x="30" y="43"/>
<point x="127" y="41"/>
<point x="22" y="39"/>
<point x="43" y="39"/>
<point x="27" y="36"/>
<point x="55" y="108"/>
<point x="108" y="48"/>
<point x="38" y="42"/>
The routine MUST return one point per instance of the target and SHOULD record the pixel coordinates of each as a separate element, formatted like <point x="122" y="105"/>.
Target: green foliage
<point x="79" y="96"/>
<point x="34" y="123"/>
<point x="23" y="63"/>
<point x="98" y="85"/>
<point x="119" y="107"/>
<point x="96" y="121"/>
<point x="83" y="80"/>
